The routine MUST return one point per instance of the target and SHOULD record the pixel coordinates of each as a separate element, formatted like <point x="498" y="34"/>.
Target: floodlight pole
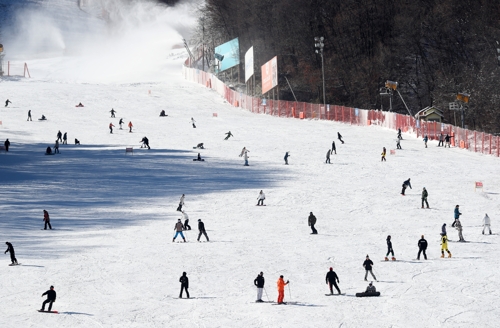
<point x="320" y="45"/>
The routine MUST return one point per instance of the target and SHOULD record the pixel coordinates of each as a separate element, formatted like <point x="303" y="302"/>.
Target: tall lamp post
<point x="319" y="45"/>
<point x="463" y="98"/>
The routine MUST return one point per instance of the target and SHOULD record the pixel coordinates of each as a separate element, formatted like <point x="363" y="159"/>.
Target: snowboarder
<point x="328" y="156"/>
<point x="112" y="111"/>
<point x="200" y="146"/>
<point x="447" y="141"/>
<point x="184" y="280"/>
<point x="422" y="246"/>
<point x="120" y="122"/>
<point x="181" y="203"/>
<point x="260" y="198"/>
<point x="339" y="136"/>
<point x="259" y="283"/>
<point x="111" y="128"/>
<point x="59" y="136"/>
<point x="281" y="289"/>
<point x="10" y="249"/>
<point x="46" y="219"/>
<point x="458" y="226"/>
<point x="389" y="249"/>
<point x="245" y="157"/>
<point x="444" y="245"/>
<point x="425" y="140"/>
<point x="441" y="139"/>
<point x="130" y="126"/>
<point x="243" y="151"/>
<point x="29" y="116"/>
<point x="399" y="134"/>
<point x="312" y="221"/>
<point x="65" y="138"/>
<point x="367" y="264"/>
<point x="443" y="229"/>
<point x="384" y="152"/>
<point x="6" y="144"/>
<point x="178" y="230"/>
<point x="228" y="134"/>
<point x="145" y="143"/>
<point x="198" y="158"/>
<point x="424" y="198"/>
<point x="486" y="223"/>
<point x="331" y="280"/>
<point x="398" y="144"/>
<point x="201" y="229"/>
<point x="193" y="122"/>
<point x="456" y="214"/>
<point x="370" y="288"/>
<point x="406" y="184"/>
<point x="286" y="157"/>
<point x="162" y="113"/>
<point x="51" y="298"/>
<point x="79" y="105"/>
<point x="7" y="102"/>
<point x="334" y="149"/>
<point x="77" y="142"/>
<point x="48" y="151"/>
<point x="43" y="118"/>
<point x="185" y="217"/>
<point x="56" y="147"/>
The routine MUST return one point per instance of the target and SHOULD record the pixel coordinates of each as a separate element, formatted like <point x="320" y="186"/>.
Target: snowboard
<point x="198" y="160"/>
<point x="14" y="264"/>
<point x="47" y="311"/>
<point x="365" y="294"/>
<point x="334" y="294"/>
<point x="260" y="205"/>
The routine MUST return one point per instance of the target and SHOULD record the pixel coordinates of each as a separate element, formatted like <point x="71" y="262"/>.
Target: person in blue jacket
<point x="457" y="216"/>
<point x="425" y="140"/>
<point x="406" y="184"/>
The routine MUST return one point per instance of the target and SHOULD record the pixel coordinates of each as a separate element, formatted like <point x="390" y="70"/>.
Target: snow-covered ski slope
<point x="111" y="256"/>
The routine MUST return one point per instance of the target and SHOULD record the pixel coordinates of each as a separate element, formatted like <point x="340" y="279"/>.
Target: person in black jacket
<point x="406" y="184"/>
<point x="259" y="282"/>
<point x="201" y="228"/>
<point x="145" y="143"/>
<point x="367" y="264"/>
<point x="51" y="298"/>
<point x="422" y="246"/>
<point x="339" y="136"/>
<point x="334" y="149"/>
<point x="184" y="280"/>
<point x="332" y="279"/>
<point x="6" y="145"/>
<point x="10" y="249"/>
<point x="312" y="221"/>
<point x="59" y="136"/>
<point x="389" y="249"/>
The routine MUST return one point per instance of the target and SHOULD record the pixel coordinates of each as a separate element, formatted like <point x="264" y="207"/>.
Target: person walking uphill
<point x="201" y="229"/>
<point x="259" y="283"/>
<point x="368" y="264"/>
<point x="312" y="221"/>
<point x="331" y="280"/>
<point x="29" y="115"/>
<point x="260" y="199"/>
<point x="384" y="152"/>
<point x="456" y="214"/>
<point x="406" y="184"/>
<point x="334" y="149"/>
<point x="444" y="245"/>
<point x="46" y="219"/>
<point x="51" y="298"/>
<point x="424" y="197"/>
<point x="281" y="289"/>
<point x="184" y="280"/>
<point x="10" y="249"/>
<point x="178" y="230"/>
<point x="6" y="144"/>
<point x="422" y="246"/>
<point x="389" y="249"/>
<point x="328" y="157"/>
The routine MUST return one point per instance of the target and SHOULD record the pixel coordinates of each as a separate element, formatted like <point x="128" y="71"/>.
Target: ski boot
<point x="449" y="254"/>
<point x="393" y="258"/>
<point x="442" y="255"/>
<point x="386" y="259"/>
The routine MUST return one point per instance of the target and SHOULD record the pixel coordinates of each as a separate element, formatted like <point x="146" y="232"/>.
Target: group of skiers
<point x="180" y="227"/>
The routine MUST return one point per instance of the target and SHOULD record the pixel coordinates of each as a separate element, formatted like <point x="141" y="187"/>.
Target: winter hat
<point x="199" y="220"/>
<point x="51" y="287"/>
<point x="367" y="256"/>
<point x="371" y="283"/>
<point x="331" y="269"/>
<point x="281" y="276"/>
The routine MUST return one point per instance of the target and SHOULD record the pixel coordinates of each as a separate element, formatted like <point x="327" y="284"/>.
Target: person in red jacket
<point x="46" y="218"/>
<point x="111" y="127"/>
<point x="130" y="126"/>
<point x="281" y="289"/>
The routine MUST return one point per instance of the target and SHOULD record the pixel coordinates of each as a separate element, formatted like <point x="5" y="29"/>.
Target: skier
<point x="406" y="184"/>
<point x="245" y="157"/>
<point x="201" y="229"/>
<point x="51" y="298"/>
<point x="367" y="264"/>
<point x="398" y="144"/>
<point x="29" y="116"/>
<point x="425" y="140"/>
<point x="48" y="151"/>
<point x="7" y="102"/>
<point x="441" y="139"/>
<point x="443" y="229"/>
<point x="328" y="156"/>
<point x="458" y="226"/>
<point x="334" y="149"/>
<point x="444" y="245"/>
<point x="79" y="105"/>
<point x="370" y="288"/>
<point x="193" y="122"/>
<point x="120" y="123"/>
<point x="422" y="246"/>
<point x="399" y="134"/>
<point x="200" y="146"/>
<point x="10" y="249"/>
<point x="111" y="128"/>
<point x="145" y="143"/>
<point x="185" y="217"/>
<point x="286" y="158"/>
<point x="199" y="158"/>
<point x="56" y="147"/>
<point x="384" y="152"/>
<point x="77" y="142"/>
<point x="65" y="138"/>
<point x="59" y="136"/>
<point x="456" y="214"/>
<point x="447" y="141"/>
<point x="181" y="203"/>
<point x="389" y="249"/>
<point x="259" y="283"/>
<point x="178" y="230"/>
<point x="260" y="198"/>
<point x="486" y="223"/>
<point x="162" y="113"/>
<point x="130" y="126"/>
<point x="184" y="280"/>
<point x="243" y="151"/>
<point x="46" y="219"/>
<point x="312" y="221"/>
<point x="229" y="134"/>
<point x="331" y="280"/>
<point x="424" y="198"/>
<point x="112" y="111"/>
<point x="6" y="145"/>
<point x="281" y="289"/>
<point x="339" y="136"/>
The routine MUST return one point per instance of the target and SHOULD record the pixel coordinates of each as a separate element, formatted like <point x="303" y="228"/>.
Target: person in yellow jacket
<point x="281" y="289"/>
<point x="444" y="245"/>
<point x="384" y="152"/>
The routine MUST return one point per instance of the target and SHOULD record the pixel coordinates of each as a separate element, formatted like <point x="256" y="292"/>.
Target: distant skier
<point x="456" y="214"/>
<point x="447" y="141"/>
<point x="312" y="221"/>
<point x="184" y="280"/>
<point x="145" y="143"/>
<point x="120" y="122"/>
<point x="43" y="118"/>
<point x="458" y="226"/>
<point x="162" y="113"/>
<point x="29" y="116"/>
<point x="243" y="151"/>
<point x="422" y="246"/>
<point x="444" y="245"/>
<point x="59" y="136"/>
<point x="130" y="126"/>
<point x="178" y="230"/>
<point x="6" y="144"/>
<point x="328" y="156"/>
<point x="331" y="280"/>
<point x="77" y="142"/>
<point x="46" y="219"/>
<point x="399" y="134"/>
<point x="441" y="139"/>
<point x="228" y="134"/>
<point x="339" y="136"/>
<point x="260" y="198"/>
<point x="281" y="289"/>
<point x="425" y="140"/>
<point x="79" y="105"/>
<point x="334" y="149"/>
<point x="286" y="157"/>
<point x="389" y="249"/>
<point x="259" y="283"/>
<point x="112" y="111"/>
<point x="56" y="147"/>
<point x="486" y="223"/>
<point x="48" y="151"/>
<point x="398" y="144"/>
<point x="198" y="158"/>
<point x="384" y="152"/>
<point x="200" y="146"/>
<point x="368" y="264"/>
<point x="245" y="157"/>
<point x="7" y="102"/>
<point x="65" y="138"/>
<point x="181" y="203"/>
<point x="424" y="197"/>
<point x="185" y="217"/>
<point x="111" y="128"/>
<point x="193" y="122"/>
<point x="10" y="249"/>
<point x="51" y="298"/>
<point x="406" y="184"/>
<point x="201" y="229"/>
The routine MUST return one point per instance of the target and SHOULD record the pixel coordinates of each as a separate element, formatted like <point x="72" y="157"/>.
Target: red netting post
<point x="482" y="142"/>
<point x="475" y="142"/>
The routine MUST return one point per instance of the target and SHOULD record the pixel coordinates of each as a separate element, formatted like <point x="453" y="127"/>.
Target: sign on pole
<point x="269" y="73"/>
<point x="249" y="64"/>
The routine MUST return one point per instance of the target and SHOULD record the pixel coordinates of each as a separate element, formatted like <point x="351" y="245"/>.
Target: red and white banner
<point x="269" y="75"/>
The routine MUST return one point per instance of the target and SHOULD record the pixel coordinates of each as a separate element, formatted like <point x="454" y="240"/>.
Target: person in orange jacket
<point x="281" y="289"/>
<point x="130" y="126"/>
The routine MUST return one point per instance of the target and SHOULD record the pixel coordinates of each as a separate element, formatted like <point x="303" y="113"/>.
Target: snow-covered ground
<point x="111" y="257"/>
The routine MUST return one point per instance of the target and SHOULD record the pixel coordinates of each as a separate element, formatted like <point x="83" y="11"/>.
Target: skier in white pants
<point x="486" y="223"/>
<point x="259" y="283"/>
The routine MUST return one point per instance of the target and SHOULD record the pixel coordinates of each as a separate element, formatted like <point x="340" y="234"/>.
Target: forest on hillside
<point x="433" y="49"/>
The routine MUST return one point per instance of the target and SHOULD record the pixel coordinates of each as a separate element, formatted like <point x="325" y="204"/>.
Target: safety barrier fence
<point x="475" y="141"/>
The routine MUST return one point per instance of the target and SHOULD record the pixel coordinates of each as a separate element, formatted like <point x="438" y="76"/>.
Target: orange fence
<point x="479" y="142"/>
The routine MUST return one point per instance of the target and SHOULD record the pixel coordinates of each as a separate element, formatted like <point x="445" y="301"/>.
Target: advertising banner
<point x="249" y="64"/>
<point x="269" y="73"/>
<point x="228" y="54"/>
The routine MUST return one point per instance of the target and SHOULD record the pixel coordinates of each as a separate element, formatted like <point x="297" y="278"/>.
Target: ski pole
<point x="290" y="291"/>
<point x="266" y="294"/>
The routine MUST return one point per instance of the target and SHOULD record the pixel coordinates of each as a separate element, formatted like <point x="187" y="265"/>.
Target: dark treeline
<point x="433" y="49"/>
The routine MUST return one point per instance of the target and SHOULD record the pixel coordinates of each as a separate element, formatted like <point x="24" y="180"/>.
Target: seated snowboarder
<point x="162" y="113"/>
<point x="48" y="151"/>
<point x="370" y="288"/>
<point x="42" y="118"/>
<point x="77" y="142"/>
<point x="79" y="105"/>
<point x="200" y="146"/>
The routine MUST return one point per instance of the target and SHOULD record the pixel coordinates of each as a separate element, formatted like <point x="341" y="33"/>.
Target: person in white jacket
<point x="245" y="157"/>
<point x="185" y="217"/>
<point x="181" y="203"/>
<point x="243" y="151"/>
<point x="261" y="199"/>
<point x="486" y="223"/>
